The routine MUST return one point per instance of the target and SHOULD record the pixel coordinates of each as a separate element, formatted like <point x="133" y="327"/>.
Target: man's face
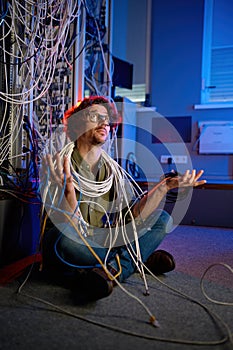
<point x="97" y="126"/>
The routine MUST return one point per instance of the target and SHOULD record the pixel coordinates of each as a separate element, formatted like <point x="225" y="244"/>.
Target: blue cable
<point x="4" y="14"/>
<point x="69" y="264"/>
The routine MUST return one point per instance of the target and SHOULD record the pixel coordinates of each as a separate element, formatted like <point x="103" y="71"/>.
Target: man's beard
<point x="97" y="142"/>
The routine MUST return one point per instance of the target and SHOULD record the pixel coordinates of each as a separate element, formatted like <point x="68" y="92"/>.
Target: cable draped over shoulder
<point x="92" y="188"/>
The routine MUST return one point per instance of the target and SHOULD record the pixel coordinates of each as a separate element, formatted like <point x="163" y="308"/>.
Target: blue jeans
<point x="61" y="251"/>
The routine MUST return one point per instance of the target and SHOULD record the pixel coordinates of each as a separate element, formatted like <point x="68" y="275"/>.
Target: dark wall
<point x="176" y="60"/>
<point x="176" y="54"/>
<point x="129" y="34"/>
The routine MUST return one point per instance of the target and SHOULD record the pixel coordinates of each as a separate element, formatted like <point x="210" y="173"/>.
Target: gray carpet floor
<point x="193" y="304"/>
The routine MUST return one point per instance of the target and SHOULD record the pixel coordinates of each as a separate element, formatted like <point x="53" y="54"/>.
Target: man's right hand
<point x="61" y="175"/>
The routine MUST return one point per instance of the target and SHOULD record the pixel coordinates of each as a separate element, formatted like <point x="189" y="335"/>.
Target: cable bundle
<point x="37" y="59"/>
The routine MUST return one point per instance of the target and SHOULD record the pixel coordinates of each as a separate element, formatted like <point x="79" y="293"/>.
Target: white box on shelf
<point x="216" y="137"/>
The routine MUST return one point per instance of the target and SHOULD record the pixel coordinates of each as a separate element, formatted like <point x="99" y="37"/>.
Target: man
<point x="104" y="227"/>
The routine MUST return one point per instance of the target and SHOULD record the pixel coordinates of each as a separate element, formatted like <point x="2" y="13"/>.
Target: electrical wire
<point x="226" y="338"/>
<point x="93" y="189"/>
<point x="34" y="37"/>
<point x="226" y="266"/>
<point x="117" y="173"/>
<point x="38" y="50"/>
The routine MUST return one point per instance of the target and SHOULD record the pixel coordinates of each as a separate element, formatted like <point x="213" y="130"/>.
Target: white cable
<point x="93" y="189"/>
<point x="226" y="266"/>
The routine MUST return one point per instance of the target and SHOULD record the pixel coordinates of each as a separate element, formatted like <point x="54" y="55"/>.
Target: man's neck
<point x="90" y="153"/>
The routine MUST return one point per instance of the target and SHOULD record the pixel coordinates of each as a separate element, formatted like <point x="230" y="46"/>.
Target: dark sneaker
<point x="160" y="262"/>
<point x="94" y="285"/>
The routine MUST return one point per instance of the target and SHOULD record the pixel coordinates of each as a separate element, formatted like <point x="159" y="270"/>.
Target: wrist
<point x="163" y="188"/>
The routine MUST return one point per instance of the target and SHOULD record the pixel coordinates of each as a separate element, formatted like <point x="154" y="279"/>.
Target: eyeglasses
<point x="95" y="117"/>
